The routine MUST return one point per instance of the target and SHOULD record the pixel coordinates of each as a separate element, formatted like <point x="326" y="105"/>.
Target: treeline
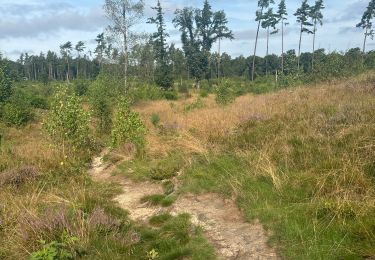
<point x="151" y="59"/>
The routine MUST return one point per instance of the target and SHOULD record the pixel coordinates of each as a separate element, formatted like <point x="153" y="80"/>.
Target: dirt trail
<point x="221" y="220"/>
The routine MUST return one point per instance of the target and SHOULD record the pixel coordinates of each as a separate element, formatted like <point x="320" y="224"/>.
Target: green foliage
<point x="141" y="91"/>
<point x="203" y="93"/>
<point x="197" y="104"/>
<point x="68" y="122"/>
<point x="128" y="127"/>
<point x="18" y="110"/>
<point x="39" y="102"/>
<point x="57" y="250"/>
<point x="164" y="77"/>
<point x="5" y="85"/>
<point x="224" y="94"/>
<point x="159" y="199"/>
<point x="101" y="106"/>
<point x="171" y="95"/>
<point x="80" y="87"/>
<point x="155" y="119"/>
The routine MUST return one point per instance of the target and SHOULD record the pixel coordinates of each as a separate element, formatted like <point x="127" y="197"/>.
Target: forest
<point x="140" y="149"/>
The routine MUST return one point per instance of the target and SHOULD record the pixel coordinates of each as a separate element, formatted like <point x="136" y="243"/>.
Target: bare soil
<point x="223" y="223"/>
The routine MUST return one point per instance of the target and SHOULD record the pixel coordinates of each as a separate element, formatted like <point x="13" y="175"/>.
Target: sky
<point x="36" y="26"/>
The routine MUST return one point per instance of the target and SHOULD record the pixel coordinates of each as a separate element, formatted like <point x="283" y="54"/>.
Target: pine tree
<point x="317" y="18"/>
<point x="66" y="50"/>
<point x="262" y="4"/>
<point x="163" y="72"/>
<point x="366" y="23"/>
<point x="303" y="15"/>
<point x="100" y="48"/>
<point x="282" y="16"/>
<point x="269" y="20"/>
<point x="80" y="47"/>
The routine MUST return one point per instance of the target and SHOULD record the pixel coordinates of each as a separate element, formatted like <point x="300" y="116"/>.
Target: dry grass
<point x="328" y="114"/>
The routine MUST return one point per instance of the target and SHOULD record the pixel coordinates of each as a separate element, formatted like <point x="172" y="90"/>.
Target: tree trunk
<point x="77" y="67"/>
<point x="219" y="60"/>
<point x="312" y="60"/>
<point x="282" y="46"/>
<point x="364" y="47"/>
<point x="255" y="51"/>
<point x="299" y="49"/>
<point x="125" y="48"/>
<point x="268" y="39"/>
<point x="67" y="73"/>
<point x="364" y="42"/>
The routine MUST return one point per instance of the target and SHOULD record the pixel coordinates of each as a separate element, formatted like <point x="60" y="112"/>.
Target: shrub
<point x="127" y="127"/>
<point x="155" y="119"/>
<point x="17" y="111"/>
<point x="80" y="87"/>
<point x="145" y="92"/>
<point x="39" y="102"/>
<point x="63" y="250"/>
<point x="171" y="95"/>
<point x="224" y="94"/>
<point x="67" y="121"/>
<point x="203" y="93"/>
<point x="18" y="176"/>
<point x="197" y="104"/>
<point x="100" y="101"/>
<point x="5" y="85"/>
<point x="163" y="77"/>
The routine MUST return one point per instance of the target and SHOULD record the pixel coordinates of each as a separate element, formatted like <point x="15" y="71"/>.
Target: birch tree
<point x="124" y="15"/>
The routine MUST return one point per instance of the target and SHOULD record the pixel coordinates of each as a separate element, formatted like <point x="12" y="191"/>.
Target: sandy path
<point x="221" y="220"/>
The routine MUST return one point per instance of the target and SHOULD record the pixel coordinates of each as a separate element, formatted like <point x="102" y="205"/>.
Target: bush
<point x="163" y="77"/>
<point x="145" y="92"/>
<point x="80" y="87"/>
<point x="101" y="106"/>
<point x="39" y="102"/>
<point x="67" y="121"/>
<point x="128" y="127"/>
<point x="17" y="111"/>
<point x="224" y="94"/>
<point x="203" y="93"/>
<point x="5" y="85"/>
<point x="62" y="250"/>
<point x="155" y="119"/>
<point x="171" y="95"/>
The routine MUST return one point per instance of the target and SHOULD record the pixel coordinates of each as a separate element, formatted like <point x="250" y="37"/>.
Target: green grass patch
<point x="159" y="199"/>
<point x="153" y="168"/>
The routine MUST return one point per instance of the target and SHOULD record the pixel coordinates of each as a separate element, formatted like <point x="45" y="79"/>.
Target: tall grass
<point x="301" y="161"/>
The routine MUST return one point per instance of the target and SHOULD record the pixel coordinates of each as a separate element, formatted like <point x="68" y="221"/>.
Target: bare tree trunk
<point x="364" y="42"/>
<point x="255" y="50"/>
<point x="364" y="47"/>
<point x="299" y="49"/>
<point x="219" y="60"/>
<point x="282" y="46"/>
<point x="126" y="57"/>
<point x="67" y="73"/>
<point x="312" y="60"/>
<point x="77" y="67"/>
<point x="268" y="40"/>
